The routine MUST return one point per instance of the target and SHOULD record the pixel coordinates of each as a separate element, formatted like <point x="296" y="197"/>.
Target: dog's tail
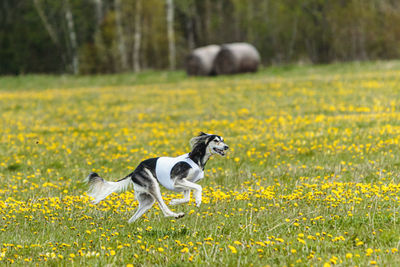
<point x="99" y="188"/>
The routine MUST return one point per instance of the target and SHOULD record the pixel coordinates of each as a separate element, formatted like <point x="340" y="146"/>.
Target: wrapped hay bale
<point x="201" y="60"/>
<point x="237" y="58"/>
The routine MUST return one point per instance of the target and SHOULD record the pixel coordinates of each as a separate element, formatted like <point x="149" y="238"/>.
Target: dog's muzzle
<point x="221" y="152"/>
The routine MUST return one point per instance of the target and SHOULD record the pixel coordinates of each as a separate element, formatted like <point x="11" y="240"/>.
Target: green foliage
<point x="284" y="31"/>
<point x="24" y="46"/>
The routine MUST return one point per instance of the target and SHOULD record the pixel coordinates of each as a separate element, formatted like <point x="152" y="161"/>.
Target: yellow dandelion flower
<point x="233" y="249"/>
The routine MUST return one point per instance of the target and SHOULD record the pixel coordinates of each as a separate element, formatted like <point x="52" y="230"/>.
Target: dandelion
<point x="359" y="243"/>
<point x="369" y="251"/>
<point x="233" y="249"/>
<point x="287" y="186"/>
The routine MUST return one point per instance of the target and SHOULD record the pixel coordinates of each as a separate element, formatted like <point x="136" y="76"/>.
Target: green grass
<point x="312" y="177"/>
<point x="37" y="82"/>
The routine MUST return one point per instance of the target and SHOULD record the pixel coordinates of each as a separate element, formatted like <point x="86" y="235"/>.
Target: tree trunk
<point x="207" y="19"/>
<point x="190" y="12"/>
<point x="170" y="34"/>
<point x="72" y="37"/>
<point x="190" y="32"/>
<point x="249" y="21"/>
<point x="292" y="39"/>
<point x="50" y="30"/>
<point x="99" y="11"/>
<point x="137" y="37"/>
<point x="120" y="35"/>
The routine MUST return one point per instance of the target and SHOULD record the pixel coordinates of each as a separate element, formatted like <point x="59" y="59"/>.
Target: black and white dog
<point x="179" y="174"/>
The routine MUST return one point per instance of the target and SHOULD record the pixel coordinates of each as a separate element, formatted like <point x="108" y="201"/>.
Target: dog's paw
<point x="179" y="215"/>
<point x="198" y="204"/>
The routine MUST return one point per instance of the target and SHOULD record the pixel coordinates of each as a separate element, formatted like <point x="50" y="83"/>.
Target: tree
<point x="120" y="36"/>
<point x="106" y="36"/>
<point x="49" y="28"/>
<point x="72" y="37"/>
<point x="170" y="33"/>
<point x="137" y="36"/>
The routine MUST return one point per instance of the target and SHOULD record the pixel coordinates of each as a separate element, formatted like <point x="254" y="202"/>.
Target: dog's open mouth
<point x="219" y="151"/>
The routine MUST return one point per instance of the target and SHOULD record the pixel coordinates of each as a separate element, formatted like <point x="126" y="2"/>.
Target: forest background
<point x="111" y="36"/>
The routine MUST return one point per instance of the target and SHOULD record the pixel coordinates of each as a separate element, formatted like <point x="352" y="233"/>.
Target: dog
<point x="179" y="174"/>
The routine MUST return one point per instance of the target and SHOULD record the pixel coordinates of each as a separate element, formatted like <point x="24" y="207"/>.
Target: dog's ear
<point x="201" y="138"/>
<point x="208" y="138"/>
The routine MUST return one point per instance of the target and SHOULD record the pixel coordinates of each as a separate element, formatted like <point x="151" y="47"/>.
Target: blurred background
<point x="110" y="36"/>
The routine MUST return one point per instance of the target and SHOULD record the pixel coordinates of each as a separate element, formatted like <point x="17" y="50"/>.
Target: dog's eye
<point x="216" y="141"/>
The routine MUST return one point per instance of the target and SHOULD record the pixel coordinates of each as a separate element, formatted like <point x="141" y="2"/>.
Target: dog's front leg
<point x="185" y="199"/>
<point x="197" y="189"/>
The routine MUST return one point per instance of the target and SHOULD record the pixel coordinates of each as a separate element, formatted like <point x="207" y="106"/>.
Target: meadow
<point x="311" y="179"/>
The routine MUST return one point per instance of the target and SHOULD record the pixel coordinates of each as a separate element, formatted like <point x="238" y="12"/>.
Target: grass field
<point x="312" y="177"/>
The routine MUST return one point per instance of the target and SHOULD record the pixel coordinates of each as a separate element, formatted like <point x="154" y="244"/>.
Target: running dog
<point x="179" y="174"/>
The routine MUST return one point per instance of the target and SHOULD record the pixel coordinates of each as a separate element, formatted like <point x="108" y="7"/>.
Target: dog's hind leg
<point x="146" y="201"/>
<point x="154" y="190"/>
<point x="185" y="199"/>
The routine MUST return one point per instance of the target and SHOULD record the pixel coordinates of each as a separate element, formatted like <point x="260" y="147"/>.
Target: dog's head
<point x="213" y="144"/>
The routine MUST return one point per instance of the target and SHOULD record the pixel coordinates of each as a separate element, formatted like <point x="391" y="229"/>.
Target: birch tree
<point x="171" y="34"/>
<point x="120" y="35"/>
<point x="72" y="37"/>
<point x="137" y="36"/>
<point x="99" y="11"/>
<point x="188" y="8"/>
<point x="49" y="28"/>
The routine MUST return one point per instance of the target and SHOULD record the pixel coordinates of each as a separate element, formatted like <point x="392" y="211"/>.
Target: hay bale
<point x="201" y="60"/>
<point x="237" y="58"/>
